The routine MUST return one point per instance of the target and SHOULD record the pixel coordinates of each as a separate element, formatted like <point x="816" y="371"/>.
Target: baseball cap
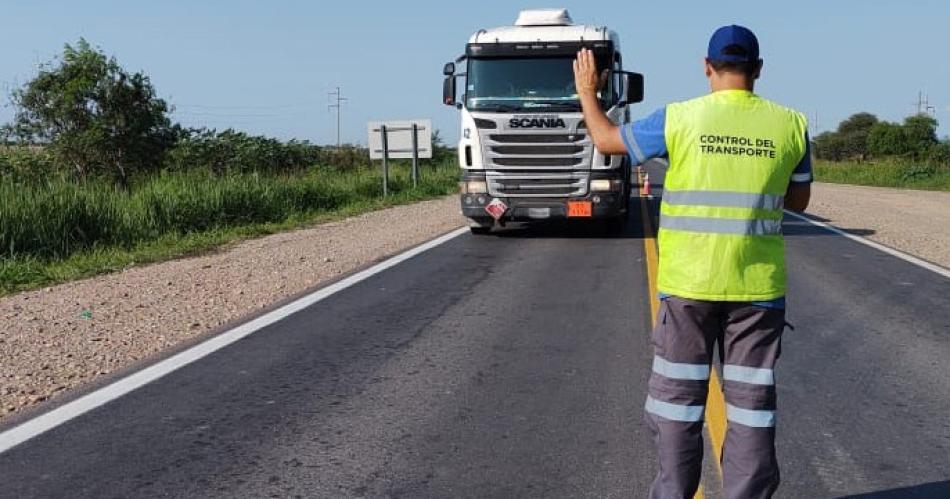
<point x="733" y="44"/>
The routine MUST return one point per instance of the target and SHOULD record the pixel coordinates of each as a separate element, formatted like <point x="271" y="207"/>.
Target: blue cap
<point x="733" y="44"/>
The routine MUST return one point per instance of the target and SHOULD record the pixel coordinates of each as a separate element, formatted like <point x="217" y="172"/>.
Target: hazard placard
<point x="496" y="208"/>
<point x="579" y="209"/>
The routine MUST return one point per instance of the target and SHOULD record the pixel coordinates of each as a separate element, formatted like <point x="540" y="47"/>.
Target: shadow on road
<point x="576" y="229"/>
<point x="572" y="230"/>
<point x="935" y="490"/>
<point x="794" y="227"/>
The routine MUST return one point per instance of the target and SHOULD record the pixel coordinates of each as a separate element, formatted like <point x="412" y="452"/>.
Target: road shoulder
<point x="915" y="222"/>
<point x="66" y="336"/>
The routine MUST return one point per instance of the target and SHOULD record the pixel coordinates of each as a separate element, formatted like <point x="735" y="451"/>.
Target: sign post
<point x="415" y="155"/>
<point x="408" y="139"/>
<point x="385" y="137"/>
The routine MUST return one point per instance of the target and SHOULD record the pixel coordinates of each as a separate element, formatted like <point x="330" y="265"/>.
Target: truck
<point x="524" y="150"/>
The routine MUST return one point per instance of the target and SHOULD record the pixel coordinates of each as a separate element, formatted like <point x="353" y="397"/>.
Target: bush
<point x="28" y="165"/>
<point x="236" y="152"/>
<point x="940" y="153"/>
<point x="888" y="139"/>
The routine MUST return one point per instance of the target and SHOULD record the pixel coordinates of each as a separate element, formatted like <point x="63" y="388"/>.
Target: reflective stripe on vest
<point x="732" y="155"/>
<point x="731" y="199"/>
<point x="722" y="225"/>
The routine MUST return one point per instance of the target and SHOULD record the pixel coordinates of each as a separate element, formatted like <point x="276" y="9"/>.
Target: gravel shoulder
<point x="64" y="336"/>
<point x="916" y="222"/>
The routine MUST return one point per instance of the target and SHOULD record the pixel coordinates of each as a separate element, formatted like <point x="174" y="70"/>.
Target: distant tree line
<point x="83" y="115"/>
<point x="863" y="136"/>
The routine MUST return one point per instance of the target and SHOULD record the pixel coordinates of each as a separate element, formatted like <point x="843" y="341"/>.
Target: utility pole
<point x="923" y="105"/>
<point x="336" y="102"/>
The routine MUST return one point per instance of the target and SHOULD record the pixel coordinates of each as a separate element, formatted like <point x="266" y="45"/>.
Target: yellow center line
<point x="715" y="403"/>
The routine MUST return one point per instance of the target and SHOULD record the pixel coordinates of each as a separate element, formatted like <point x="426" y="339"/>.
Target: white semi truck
<point x="524" y="151"/>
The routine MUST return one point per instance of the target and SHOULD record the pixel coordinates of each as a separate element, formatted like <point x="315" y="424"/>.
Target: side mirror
<point x="448" y="91"/>
<point x="631" y="88"/>
<point x="448" y="69"/>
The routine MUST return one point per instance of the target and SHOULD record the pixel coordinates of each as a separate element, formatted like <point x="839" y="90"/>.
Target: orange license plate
<point x="579" y="209"/>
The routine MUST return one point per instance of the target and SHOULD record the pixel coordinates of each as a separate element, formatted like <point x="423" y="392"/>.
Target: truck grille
<point x="524" y="138"/>
<point x="548" y="161"/>
<point x="538" y="184"/>
<point x="537" y="151"/>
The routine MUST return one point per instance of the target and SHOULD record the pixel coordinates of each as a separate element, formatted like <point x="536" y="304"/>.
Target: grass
<point x="886" y="173"/>
<point x="61" y="231"/>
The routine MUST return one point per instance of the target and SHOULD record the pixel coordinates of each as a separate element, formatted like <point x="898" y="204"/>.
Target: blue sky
<point x="266" y="67"/>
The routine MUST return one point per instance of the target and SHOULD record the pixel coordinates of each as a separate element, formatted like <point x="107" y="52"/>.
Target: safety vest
<point x="732" y="154"/>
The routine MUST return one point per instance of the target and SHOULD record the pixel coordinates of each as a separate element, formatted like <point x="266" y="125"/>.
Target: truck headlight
<point x="474" y="187"/>
<point x="604" y="185"/>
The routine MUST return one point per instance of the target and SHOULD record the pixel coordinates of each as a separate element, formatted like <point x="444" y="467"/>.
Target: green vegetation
<point x="62" y="230"/>
<point x="866" y="151"/>
<point x="95" y="177"/>
<point x="885" y="173"/>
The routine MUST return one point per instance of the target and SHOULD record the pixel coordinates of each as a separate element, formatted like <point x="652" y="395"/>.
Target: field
<point x="61" y="230"/>
<point x="885" y="173"/>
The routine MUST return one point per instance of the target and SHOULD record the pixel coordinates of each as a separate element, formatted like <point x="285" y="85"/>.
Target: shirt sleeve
<point x="646" y="139"/>
<point x="802" y="173"/>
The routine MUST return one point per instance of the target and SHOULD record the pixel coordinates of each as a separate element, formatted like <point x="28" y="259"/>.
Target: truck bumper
<point x="604" y="205"/>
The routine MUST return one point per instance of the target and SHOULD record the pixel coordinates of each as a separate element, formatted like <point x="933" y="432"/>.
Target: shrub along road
<point x="515" y="365"/>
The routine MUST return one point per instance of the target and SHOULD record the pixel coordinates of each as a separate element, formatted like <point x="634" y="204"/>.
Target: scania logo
<point x="536" y="123"/>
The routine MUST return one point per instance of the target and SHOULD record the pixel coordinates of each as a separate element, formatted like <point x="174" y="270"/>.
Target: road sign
<point x="399" y="138"/>
<point x="411" y="139"/>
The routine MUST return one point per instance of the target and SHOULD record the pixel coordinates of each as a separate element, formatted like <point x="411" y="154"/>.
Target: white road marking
<point x="45" y="422"/>
<point x="867" y="242"/>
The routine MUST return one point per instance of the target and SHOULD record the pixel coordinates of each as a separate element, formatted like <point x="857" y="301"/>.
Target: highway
<point x="515" y="365"/>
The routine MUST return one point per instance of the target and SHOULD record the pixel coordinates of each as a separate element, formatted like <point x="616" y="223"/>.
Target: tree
<point x="921" y="134"/>
<point x="829" y="145"/>
<point x="850" y="140"/>
<point x="859" y="122"/>
<point x="853" y="134"/>
<point x="887" y="139"/>
<point x="95" y="116"/>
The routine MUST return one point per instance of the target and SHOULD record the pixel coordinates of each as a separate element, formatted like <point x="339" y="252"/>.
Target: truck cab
<point x="524" y="151"/>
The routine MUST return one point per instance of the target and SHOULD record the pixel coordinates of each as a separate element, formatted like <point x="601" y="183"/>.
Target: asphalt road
<point x="515" y="365"/>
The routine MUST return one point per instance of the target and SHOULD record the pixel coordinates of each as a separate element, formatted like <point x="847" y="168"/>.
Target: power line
<point x="337" y="96"/>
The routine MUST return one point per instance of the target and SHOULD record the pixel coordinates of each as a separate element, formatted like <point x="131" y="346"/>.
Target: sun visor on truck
<point x="537" y="49"/>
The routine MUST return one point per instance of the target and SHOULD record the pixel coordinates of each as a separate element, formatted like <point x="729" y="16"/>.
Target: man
<point x="735" y="160"/>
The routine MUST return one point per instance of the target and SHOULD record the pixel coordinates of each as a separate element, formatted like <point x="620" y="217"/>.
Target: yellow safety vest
<point x="732" y="154"/>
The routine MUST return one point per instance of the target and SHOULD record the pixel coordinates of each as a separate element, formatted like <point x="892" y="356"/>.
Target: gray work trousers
<point x="749" y="339"/>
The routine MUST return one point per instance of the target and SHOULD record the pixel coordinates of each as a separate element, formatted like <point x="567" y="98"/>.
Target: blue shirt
<point x="646" y="139"/>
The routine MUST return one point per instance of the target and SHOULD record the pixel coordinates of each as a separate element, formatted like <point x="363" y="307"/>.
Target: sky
<point x="267" y="67"/>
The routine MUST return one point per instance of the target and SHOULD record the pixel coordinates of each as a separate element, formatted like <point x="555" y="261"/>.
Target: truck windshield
<point x="525" y="84"/>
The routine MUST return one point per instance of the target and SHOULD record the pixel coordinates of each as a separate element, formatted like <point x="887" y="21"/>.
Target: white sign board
<point x="399" y="138"/>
